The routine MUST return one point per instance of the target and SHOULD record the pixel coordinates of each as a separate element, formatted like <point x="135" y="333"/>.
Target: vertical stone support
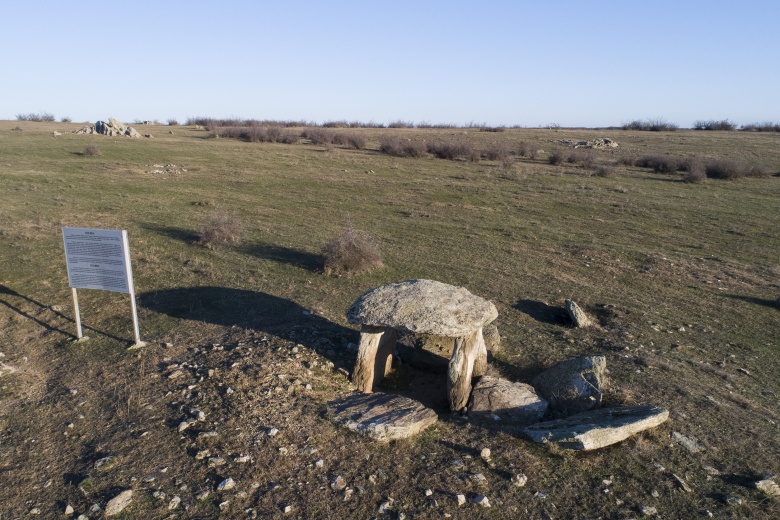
<point x="374" y="356"/>
<point x="461" y="369"/>
<point x="480" y="362"/>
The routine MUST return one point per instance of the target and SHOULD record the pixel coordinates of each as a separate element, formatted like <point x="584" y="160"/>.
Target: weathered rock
<point x="433" y="353"/>
<point x="690" y="444"/>
<point x="382" y="417"/>
<point x="573" y="386"/>
<point x="768" y="486"/>
<point x="514" y="402"/>
<point x="119" y="502"/>
<point x="598" y="428"/>
<point x="423" y="307"/>
<point x="577" y="315"/>
<point x="132" y="132"/>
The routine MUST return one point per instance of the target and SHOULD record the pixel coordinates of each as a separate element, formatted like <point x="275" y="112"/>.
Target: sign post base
<point x="82" y="339"/>
<point x="137" y="345"/>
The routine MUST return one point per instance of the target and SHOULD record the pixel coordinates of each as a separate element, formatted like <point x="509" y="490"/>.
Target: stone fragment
<point x="226" y="485"/>
<point x="514" y="402"/>
<point x="174" y="503"/>
<point x="461" y="500"/>
<point x="599" y="428"/>
<point x="520" y="480"/>
<point x="768" y="486"/>
<point x="482" y="500"/>
<point x="577" y="315"/>
<point x="68" y="510"/>
<point x="119" y="502"/>
<point x="423" y="307"/>
<point x="382" y="417"/>
<point x="648" y="510"/>
<point x="338" y="483"/>
<point x="689" y="443"/>
<point x="574" y="385"/>
<point x="680" y="482"/>
<point x="485" y="454"/>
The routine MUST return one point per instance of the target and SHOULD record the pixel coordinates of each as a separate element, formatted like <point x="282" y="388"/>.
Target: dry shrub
<point x="219" y="228"/>
<point x="694" y="171"/>
<point x="356" y="141"/>
<point x="91" y="151"/>
<point x="659" y="163"/>
<point x="351" y="252"/>
<point x="497" y="152"/>
<point x="582" y="157"/>
<point x="723" y="169"/>
<point x="605" y="170"/>
<point x="453" y="150"/>
<point x="556" y="157"/>
<point x="712" y="124"/>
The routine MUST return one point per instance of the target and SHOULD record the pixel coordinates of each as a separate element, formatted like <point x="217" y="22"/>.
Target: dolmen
<point x="422" y="307"/>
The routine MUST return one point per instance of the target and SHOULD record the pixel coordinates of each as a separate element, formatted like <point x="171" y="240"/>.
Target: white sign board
<point x="98" y="259"/>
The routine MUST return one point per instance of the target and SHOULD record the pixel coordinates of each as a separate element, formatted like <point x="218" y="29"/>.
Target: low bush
<point x="659" y="163"/>
<point x="492" y="128"/>
<point x="582" y="157"/>
<point x="38" y="118"/>
<point x="723" y="169"/>
<point x="219" y="228"/>
<point x="761" y="127"/>
<point x="351" y="252"/>
<point x="173" y="122"/>
<point x="356" y="141"/>
<point x="318" y="136"/>
<point x="651" y="125"/>
<point x="724" y="124"/>
<point x="695" y="171"/>
<point x="17" y="128"/>
<point x="497" y="152"/>
<point x="556" y="157"/>
<point x="453" y="150"/>
<point x="66" y="120"/>
<point x="523" y="148"/>
<point x="604" y="170"/>
<point x="91" y="151"/>
<point x="400" y="124"/>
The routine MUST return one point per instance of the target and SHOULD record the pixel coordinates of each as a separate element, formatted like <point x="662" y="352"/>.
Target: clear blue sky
<point x="575" y="63"/>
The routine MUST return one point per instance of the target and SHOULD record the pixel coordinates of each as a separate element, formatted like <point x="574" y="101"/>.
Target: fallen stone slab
<point x="598" y="428"/>
<point x="117" y="504"/>
<point x="574" y="385"/>
<point x="382" y="417"/>
<point x="517" y="403"/>
<point x="577" y="315"/>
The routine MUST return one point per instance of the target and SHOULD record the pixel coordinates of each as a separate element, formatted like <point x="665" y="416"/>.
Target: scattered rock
<point x="520" y="480"/>
<point x="680" y="482"/>
<point x="461" y="499"/>
<point x="733" y="501"/>
<point x="174" y="503"/>
<point x="482" y="500"/>
<point x="423" y="307"/>
<point x="112" y="128"/>
<point x="382" y="417"/>
<point x="574" y="385"/>
<point x="226" y="485"/>
<point x="385" y="506"/>
<point x="119" y="502"/>
<point x="689" y="443"/>
<point x="485" y="454"/>
<point x="515" y="402"/>
<point x="68" y="510"/>
<point x="648" y="510"/>
<point x="768" y="486"/>
<point x="338" y="483"/>
<point x="598" y="428"/>
<point x="577" y="315"/>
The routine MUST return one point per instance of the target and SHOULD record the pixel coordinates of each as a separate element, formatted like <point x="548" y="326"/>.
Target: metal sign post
<point x="100" y="259"/>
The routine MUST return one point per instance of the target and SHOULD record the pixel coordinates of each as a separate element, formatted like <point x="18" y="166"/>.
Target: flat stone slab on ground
<point x="383" y="417"/>
<point x="598" y="428"/>
<point x="423" y="307"/>
<point x="514" y="402"/>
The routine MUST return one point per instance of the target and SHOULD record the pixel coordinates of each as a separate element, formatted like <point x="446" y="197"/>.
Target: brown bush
<point x="723" y="169"/>
<point x="219" y="228"/>
<point x="497" y="152"/>
<point x="659" y="163"/>
<point x="91" y="151"/>
<point x="356" y="141"/>
<point x="556" y="157"/>
<point x="605" y="170"/>
<point x="351" y="252"/>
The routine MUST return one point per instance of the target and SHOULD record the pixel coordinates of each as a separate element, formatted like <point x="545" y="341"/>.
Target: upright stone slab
<point x="382" y="417"/>
<point x="573" y="386"/>
<point x="598" y="428"/>
<point x="516" y="403"/>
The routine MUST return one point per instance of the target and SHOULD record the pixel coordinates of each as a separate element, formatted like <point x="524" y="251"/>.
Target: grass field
<point x="684" y="279"/>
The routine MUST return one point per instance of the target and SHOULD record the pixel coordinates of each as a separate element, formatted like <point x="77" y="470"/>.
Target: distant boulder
<point x="112" y="128"/>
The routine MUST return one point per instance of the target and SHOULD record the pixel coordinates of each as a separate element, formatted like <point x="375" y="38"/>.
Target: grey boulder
<point x="573" y="386"/>
<point x="517" y="403"/>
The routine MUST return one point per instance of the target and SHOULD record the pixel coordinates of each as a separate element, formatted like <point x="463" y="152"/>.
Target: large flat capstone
<point x="423" y="307"/>
<point x="383" y="417"/>
<point x="598" y="428"/>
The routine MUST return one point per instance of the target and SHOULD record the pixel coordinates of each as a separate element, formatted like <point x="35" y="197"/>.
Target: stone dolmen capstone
<point x="597" y="428"/>
<point x="574" y="385"/>
<point x="422" y="307"/>
<point x="383" y="417"/>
